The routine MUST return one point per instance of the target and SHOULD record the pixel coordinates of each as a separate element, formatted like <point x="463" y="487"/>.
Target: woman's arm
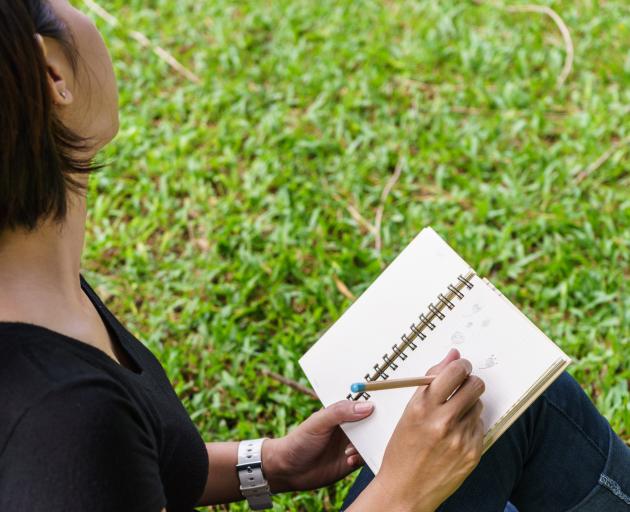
<point x="436" y="444"/>
<point x="222" y="485"/>
<point x="315" y="454"/>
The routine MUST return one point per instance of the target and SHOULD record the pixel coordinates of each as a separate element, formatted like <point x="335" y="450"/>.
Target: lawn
<point x="236" y="217"/>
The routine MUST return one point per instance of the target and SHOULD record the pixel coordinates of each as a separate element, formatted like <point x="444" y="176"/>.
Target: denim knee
<point x="564" y="389"/>
<point x="567" y="397"/>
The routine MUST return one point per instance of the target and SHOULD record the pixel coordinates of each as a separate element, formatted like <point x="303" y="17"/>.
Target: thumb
<point x="452" y="355"/>
<point x="340" y="412"/>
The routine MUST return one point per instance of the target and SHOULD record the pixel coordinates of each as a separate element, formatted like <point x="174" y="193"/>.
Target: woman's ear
<point x="59" y="91"/>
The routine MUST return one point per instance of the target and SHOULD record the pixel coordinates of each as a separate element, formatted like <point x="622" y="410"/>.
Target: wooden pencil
<point x="357" y="387"/>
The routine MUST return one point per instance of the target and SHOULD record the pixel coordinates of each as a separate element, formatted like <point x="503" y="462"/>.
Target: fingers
<point x="354" y="461"/>
<point x="353" y="458"/>
<point x="478" y="431"/>
<point x="452" y="355"/>
<point x="350" y="450"/>
<point x="476" y="428"/>
<point x="337" y="413"/>
<point x="466" y="397"/>
<point x="448" y="380"/>
<point x="473" y="415"/>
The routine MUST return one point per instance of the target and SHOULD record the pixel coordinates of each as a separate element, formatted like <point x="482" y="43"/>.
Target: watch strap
<point x="254" y="487"/>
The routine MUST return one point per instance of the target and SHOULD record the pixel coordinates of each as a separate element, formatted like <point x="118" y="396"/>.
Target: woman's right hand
<point x="438" y="440"/>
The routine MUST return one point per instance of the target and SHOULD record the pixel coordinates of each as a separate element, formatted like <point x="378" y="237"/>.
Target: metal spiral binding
<point x="426" y="322"/>
<point x="454" y="290"/>
<point x="445" y="301"/>
<point x="465" y="281"/>
<point x="418" y="331"/>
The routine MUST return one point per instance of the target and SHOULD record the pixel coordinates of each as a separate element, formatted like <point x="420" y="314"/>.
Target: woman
<point x="89" y="419"/>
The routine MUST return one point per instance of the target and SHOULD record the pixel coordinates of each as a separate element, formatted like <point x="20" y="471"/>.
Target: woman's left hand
<point x="317" y="452"/>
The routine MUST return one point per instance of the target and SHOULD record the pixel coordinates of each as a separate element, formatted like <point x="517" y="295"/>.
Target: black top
<point x="79" y="432"/>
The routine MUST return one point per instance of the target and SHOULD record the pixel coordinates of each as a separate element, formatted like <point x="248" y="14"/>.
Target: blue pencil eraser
<point x="357" y="386"/>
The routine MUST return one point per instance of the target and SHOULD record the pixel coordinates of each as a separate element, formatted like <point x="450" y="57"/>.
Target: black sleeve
<point x="83" y="447"/>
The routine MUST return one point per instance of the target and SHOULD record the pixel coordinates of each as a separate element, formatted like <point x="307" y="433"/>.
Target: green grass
<point x="217" y="229"/>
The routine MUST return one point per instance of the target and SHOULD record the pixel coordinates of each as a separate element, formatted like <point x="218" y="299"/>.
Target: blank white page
<point x="506" y="349"/>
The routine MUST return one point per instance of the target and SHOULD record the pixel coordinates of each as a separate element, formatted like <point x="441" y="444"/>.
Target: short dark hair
<point x="38" y="159"/>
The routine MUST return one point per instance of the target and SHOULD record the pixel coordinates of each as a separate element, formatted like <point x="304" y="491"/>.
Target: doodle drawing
<point x="488" y="362"/>
<point x="475" y="308"/>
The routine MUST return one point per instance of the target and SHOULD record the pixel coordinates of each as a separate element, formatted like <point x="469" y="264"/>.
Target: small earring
<point x="63" y="94"/>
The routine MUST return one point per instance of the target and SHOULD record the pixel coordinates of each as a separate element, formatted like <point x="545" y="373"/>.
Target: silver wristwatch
<point x="254" y="486"/>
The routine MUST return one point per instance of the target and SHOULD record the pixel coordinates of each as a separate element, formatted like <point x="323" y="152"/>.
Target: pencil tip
<point x="357" y="386"/>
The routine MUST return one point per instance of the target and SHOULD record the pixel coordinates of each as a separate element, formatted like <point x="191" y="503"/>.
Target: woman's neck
<point x="40" y="283"/>
<point x="41" y="267"/>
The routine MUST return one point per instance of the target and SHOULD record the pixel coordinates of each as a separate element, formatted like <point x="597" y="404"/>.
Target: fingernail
<point x="363" y="407"/>
<point x="349" y="450"/>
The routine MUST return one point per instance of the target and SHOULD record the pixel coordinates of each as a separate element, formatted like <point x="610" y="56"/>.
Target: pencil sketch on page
<point x="488" y="362"/>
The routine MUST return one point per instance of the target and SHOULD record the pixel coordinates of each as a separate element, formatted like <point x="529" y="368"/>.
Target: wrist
<point x="378" y="496"/>
<point x="384" y="489"/>
<point x="274" y="465"/>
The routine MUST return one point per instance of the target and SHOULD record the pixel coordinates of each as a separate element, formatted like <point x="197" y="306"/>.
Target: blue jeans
<point x="560" y="455"/>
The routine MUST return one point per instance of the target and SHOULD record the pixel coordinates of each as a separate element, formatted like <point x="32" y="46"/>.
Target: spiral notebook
<point x="425" y="302"/>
